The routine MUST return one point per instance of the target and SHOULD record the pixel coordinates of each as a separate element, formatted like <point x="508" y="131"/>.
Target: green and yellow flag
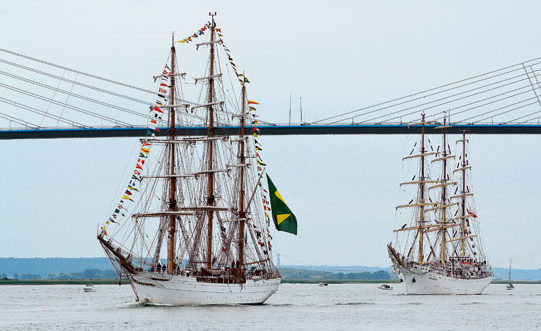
<point x="284" y="220"/>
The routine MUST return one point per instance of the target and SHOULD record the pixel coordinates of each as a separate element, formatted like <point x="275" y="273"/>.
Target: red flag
<point x="138" y="166"/>
<point x="128" y="192"/>
<point x="158" y="109"/>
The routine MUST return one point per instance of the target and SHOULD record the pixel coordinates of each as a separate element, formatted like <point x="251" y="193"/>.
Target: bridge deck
<point x="278" y="130"/>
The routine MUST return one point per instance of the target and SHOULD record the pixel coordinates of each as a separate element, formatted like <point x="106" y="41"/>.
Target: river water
<point x="293" y="307"/>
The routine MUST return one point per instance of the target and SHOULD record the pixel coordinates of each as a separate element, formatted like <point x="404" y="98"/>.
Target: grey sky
<point x="338" y="56"/>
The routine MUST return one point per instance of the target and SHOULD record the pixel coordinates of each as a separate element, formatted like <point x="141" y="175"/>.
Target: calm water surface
<point x="294" y="307"/>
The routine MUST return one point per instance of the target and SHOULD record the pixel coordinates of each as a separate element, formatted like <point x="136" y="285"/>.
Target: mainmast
<point x="242" y="212"/>
<point x="210" y="133"/>
<point x="463" y="223"/>
<point x="444" y="192"/>
<point x="172" y="178"/>
<point x="422" y="191"/>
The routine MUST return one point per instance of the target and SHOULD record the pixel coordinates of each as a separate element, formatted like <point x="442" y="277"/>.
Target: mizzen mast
<point x="463" y="207"/>
<point x="210" y="146"/>
<point x="172" y="179"/>
<point x="242" y="212"/>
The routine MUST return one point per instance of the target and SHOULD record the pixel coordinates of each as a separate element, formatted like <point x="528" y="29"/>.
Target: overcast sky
<point x="338" y="56"/>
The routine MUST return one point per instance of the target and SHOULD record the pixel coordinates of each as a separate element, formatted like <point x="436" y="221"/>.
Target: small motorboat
<point x="385" y="287"/>
<point x="323" y="283"/>
<point x="89" y="288"/>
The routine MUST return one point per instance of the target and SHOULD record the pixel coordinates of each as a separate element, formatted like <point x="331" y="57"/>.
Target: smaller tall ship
<point x="193" y="226"/>
<point x="439" y="251"/>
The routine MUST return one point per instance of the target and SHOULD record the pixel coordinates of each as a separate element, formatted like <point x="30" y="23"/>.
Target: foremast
<point x="422" y="196"/>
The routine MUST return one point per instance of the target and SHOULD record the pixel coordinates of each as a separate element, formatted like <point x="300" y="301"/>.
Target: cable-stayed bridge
<point x="40" y="99"/>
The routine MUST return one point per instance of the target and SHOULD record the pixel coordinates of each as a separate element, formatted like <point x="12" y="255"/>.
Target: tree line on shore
<point x="86" y="274"/>
<point x="287" y="274"/>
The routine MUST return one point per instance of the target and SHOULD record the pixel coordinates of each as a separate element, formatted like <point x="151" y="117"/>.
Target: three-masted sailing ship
<point x="440" y="251"/>
<point x="198" y="233"/>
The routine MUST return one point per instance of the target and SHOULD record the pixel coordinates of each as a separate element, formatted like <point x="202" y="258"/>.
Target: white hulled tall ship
<point x="440" y="251"/>
<point x="198" y="233"/>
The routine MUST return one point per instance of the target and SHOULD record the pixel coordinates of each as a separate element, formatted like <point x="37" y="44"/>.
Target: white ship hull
<point x="183" y="290"/>
<point x="430" y="282"/>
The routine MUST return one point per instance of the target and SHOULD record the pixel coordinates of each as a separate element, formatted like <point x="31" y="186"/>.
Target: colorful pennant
<point x="199" y="32"/>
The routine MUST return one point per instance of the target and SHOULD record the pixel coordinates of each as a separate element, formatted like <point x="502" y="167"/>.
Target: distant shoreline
<point x="286" y="281"/>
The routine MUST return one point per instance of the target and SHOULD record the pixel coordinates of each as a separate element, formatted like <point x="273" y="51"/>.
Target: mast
<point x="444" y="192"/>
<point x="463" y="222"/>
<point x="509" y="275"/>
<point x="422" y="191"/>
<point x="210" y="133"/>
<point x="173" y="179"/>
<point x="242" y="212"/>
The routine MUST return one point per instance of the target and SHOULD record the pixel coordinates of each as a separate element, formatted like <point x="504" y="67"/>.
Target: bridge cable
<point x="40" y="112"/>
<point x="419" y="95"/>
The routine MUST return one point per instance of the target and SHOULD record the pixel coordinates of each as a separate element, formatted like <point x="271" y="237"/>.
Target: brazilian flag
<point x="281" y="214"/>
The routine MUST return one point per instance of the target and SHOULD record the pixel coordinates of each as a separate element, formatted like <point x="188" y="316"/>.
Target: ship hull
<point x="181" y="290"/>
<point x="429" y="282"/>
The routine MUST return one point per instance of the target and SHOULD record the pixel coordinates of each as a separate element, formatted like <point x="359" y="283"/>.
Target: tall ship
<point x="192" y="227"/>
<point x="439" y="249"/>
